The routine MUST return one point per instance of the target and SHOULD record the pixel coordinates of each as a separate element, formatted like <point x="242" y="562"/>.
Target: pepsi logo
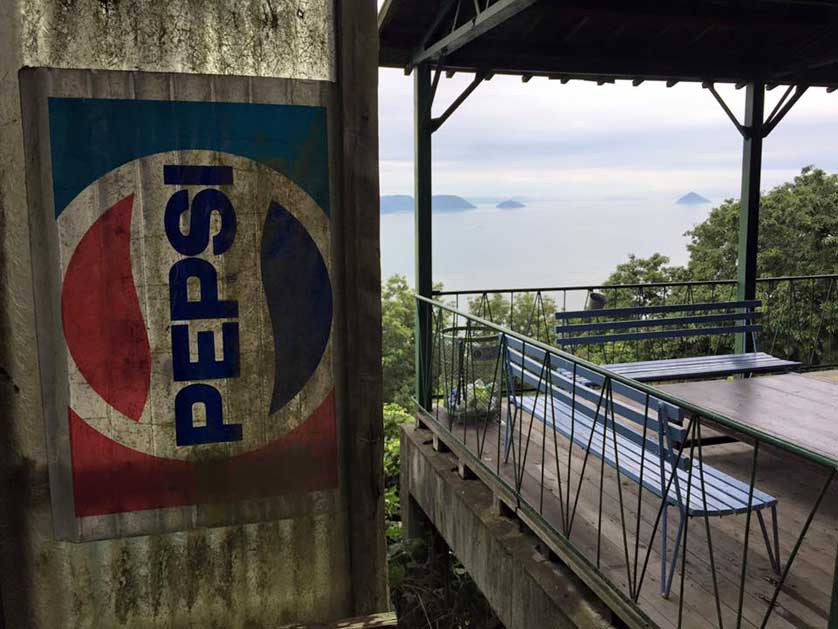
<point x="196" y="305"/>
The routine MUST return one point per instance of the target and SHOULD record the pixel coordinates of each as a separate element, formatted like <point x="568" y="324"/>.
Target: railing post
<point x="749" y="201"/>
<point x="423" y="97"/>
<point x="833" y="607"/>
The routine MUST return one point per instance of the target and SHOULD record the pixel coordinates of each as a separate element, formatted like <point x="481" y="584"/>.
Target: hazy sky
<point x="580" y="140"/>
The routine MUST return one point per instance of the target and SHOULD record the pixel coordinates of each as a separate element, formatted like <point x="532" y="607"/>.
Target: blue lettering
<point x="208" y="306"/>
<point x="206" y="367"/>
<point x="215" y="430"/>
<point x="203" y="205"/>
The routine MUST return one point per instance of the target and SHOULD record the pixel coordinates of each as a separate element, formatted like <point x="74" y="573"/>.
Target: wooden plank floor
<point x="805" y="597"/>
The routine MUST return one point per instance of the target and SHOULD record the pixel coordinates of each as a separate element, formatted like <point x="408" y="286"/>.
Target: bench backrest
<point x="566" y="384"/>
<point x="608" y="325"/>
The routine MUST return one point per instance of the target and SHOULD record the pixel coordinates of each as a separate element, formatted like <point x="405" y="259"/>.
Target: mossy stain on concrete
<point x="125" y="585"/>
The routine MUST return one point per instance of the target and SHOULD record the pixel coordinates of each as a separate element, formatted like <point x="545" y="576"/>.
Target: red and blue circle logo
<point x="197" y="313"/>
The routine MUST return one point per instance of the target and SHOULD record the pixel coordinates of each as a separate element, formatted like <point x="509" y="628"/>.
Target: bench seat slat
<point x="735" y="492"/>
<point x="640" y="310"/>
<point x="689" y="360"/>
<point x="529" y="370"/>
<point x="573" y="328"/>
<point x="629" y="440"/>
<point x="583" y="374"/>
<point x="677" y="369"/>
<point x="659" y="334"/>
<point x="724" y="495"/>
<point x="743" y="315"/>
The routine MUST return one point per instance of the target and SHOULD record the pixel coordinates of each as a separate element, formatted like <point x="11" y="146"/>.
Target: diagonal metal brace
<point x="436" y="123"/>
<point x="745" y="131"/>
<point x="780" y="112"/>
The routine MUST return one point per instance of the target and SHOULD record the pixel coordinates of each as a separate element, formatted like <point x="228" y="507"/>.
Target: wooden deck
<point x="805" y="597"/>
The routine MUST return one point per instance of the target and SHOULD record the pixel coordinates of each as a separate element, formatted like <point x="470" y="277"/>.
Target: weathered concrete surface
<point x="359" y="299"/>
<point x="282" y="38"/>
<point x="250" y="576"/>
<point x="526" y="590"/>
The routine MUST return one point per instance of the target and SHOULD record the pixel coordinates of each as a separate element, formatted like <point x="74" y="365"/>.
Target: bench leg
<point x="667" y="575"/>
<point x="773" y="549"/>
<point x="663" y="549"/>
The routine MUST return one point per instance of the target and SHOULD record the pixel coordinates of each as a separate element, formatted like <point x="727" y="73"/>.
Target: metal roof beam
<point x="482" y="23"/>
<point x="446" y="8"/>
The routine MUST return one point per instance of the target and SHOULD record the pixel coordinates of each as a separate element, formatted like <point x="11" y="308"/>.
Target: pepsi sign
<point x="196" y="306"/>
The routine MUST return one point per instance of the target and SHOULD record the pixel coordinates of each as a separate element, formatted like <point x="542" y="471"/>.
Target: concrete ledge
<point x="525" y="589"/>
<point x="386" y="620"/>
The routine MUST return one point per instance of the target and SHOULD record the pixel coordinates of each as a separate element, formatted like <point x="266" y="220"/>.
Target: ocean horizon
<point x="547" y="243"/>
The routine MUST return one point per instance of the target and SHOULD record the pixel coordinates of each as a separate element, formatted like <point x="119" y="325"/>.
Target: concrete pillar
<point x="318" y="564"/>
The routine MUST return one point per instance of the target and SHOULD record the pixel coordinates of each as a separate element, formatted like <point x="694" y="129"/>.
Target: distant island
<point x="451" y="203"/>
<point x="510" y="204"/>
<point x="692" y="198"/>
<point x="490" y="200"/>
<point x="398" y="203"/>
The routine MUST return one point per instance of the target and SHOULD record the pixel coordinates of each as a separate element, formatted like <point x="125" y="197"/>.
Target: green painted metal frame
<point x="423" y="129"/>
<point x="663" y="396"/>
<point x="749" y="201"/>
<point x="626" y="608"/>
<point x="650" y="285"/>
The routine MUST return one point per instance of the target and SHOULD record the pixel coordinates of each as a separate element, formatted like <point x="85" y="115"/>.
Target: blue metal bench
<point x="645" y="456"/>
<point x="672" y="321"/>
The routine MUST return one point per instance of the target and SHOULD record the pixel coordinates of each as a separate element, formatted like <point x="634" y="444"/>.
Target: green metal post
<point x="833" y="606"/>
<point x="422" y="183"/>
<point x="749" y="201"/>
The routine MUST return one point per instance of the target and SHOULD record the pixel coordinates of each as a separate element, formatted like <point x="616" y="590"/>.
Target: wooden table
<point x="795" y="408"/>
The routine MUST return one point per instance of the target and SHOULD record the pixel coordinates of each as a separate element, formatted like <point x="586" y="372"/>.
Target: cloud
<point x="578" y="140"/>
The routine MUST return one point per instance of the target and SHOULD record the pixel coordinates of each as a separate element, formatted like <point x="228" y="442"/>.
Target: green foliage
<point x="798" y="231"/>
<point x="654" y="269"/>
<point x="429" y="586"/>
<point x="398" y="348"/>
<point x="394" y="416"/>
<point x="530" y="314"/>
<point x="398" y="312"/>
<point x="477" y="399"/>
<point x="798" y="235"/>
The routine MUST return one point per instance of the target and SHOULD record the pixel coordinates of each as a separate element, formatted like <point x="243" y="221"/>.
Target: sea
<point x="546" y="243"/>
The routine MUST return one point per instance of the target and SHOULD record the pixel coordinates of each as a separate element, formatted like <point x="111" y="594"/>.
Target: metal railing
<point x="800" y="315"/>
<point x="547" y="436"/>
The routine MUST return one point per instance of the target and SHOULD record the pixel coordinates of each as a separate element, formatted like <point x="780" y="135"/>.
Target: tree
<point x="398" y="313"/>
<point x="798" y="231"/>
<point x="398" y="316"/>
<point x="653" y="269"/>
<point x="529" y="313"/>
<point x="798" y="235"/>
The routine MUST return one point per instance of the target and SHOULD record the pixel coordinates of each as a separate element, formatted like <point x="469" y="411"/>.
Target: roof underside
<point x="776" y="41"/>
